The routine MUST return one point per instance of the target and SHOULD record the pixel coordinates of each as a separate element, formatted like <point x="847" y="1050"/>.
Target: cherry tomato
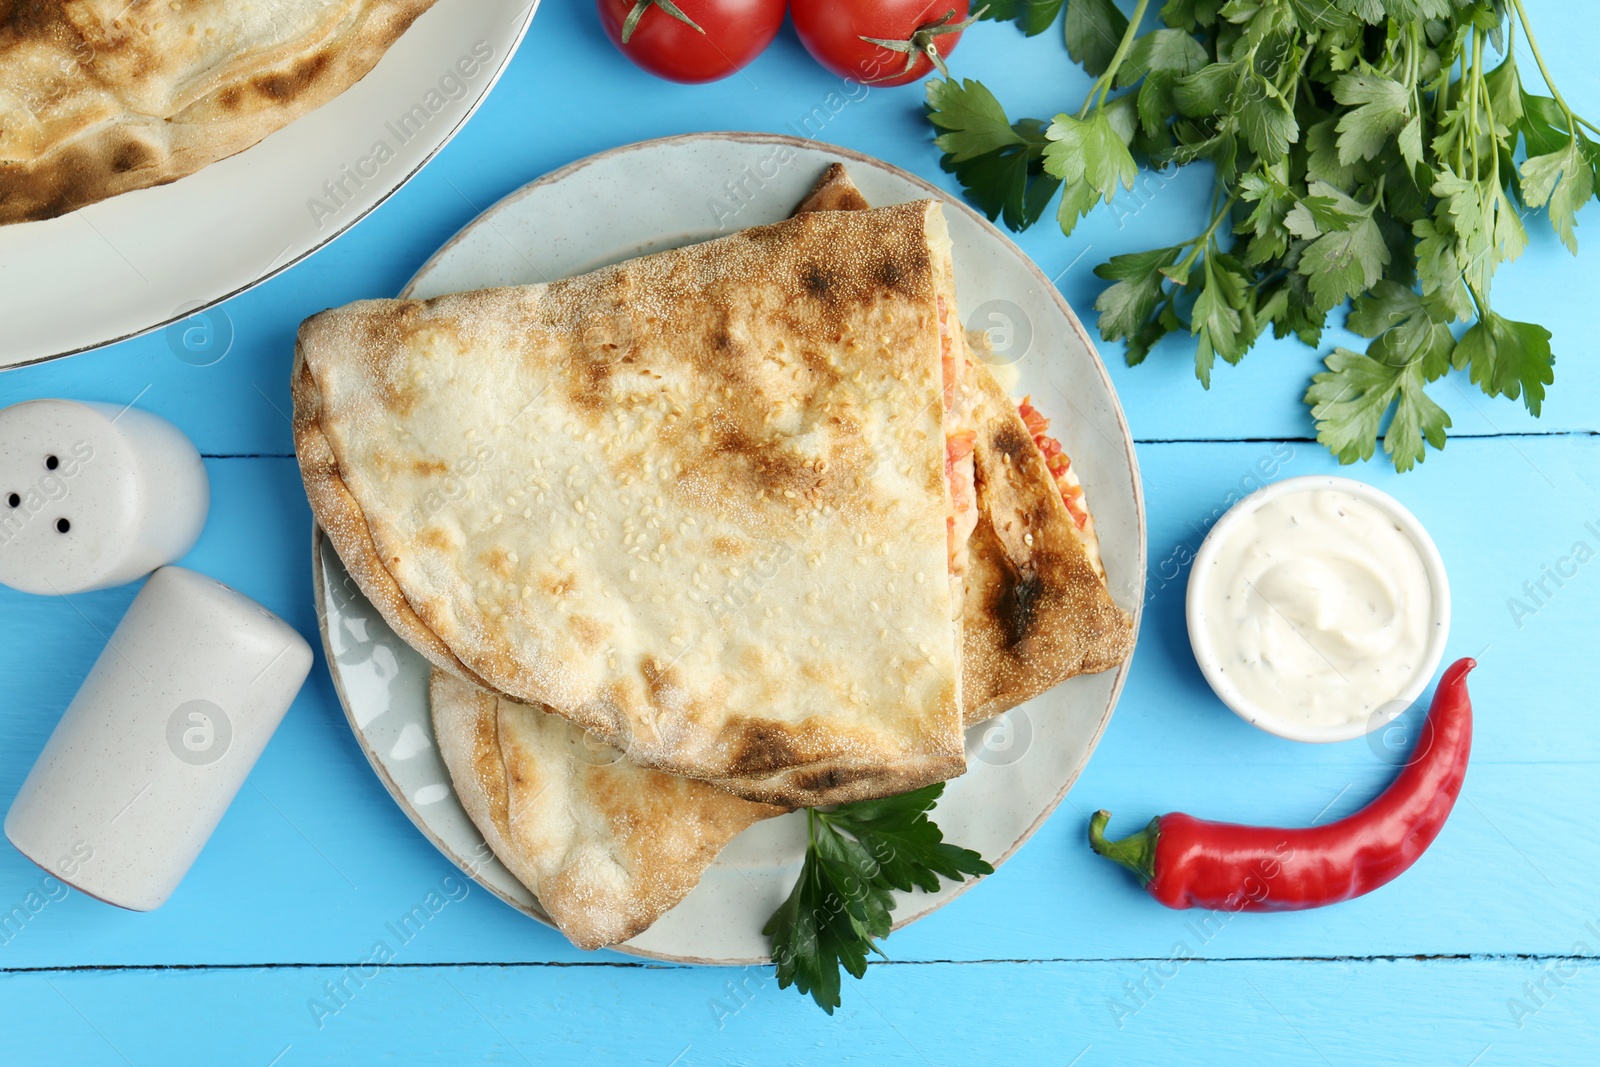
<point x="691" y="40"/>
<point x="880" y="42"/>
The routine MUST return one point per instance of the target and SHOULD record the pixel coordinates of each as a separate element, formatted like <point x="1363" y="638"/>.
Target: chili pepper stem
<point x="1137" y="852"/>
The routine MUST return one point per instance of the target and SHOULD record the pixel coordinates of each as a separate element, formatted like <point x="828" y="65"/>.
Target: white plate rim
<point x="1135" y="488"/>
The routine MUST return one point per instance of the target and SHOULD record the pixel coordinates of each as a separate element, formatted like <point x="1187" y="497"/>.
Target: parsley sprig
<point x="1364" y="152"/>
<point x="856" y="856"/>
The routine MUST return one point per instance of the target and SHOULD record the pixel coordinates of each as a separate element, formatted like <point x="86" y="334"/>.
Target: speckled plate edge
<point x="905" y="914"/>
<point x="529" y="907"/>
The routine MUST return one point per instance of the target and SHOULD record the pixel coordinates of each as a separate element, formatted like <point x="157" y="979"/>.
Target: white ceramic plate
<point x="659" y="194"/>
<point x="149" y="257"/>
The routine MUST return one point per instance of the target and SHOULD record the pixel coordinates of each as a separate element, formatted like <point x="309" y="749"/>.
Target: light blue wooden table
<point x="1486" y="953"/>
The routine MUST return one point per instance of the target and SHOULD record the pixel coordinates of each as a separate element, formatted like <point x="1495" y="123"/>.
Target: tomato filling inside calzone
<point x="1054" y="458"/>
<point x="960" y="439"/>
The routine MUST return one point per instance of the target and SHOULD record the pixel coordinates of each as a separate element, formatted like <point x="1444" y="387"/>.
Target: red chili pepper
<point x="1186" y="862"/>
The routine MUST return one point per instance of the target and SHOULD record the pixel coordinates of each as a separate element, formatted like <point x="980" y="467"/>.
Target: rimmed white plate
<point x="146" y="258"/>
<point x="658" y="194"/>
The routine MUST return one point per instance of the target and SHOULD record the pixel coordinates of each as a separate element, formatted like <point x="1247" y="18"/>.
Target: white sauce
<point x="1319" y="607"/>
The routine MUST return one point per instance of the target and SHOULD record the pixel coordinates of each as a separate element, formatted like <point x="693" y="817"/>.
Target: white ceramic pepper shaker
<point x="158" y="739"/>
<point x="94" y="495"/>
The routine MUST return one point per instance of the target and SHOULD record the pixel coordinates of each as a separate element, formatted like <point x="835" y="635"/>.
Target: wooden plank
<point x="313" y="858"/>
<point x="1478" y="1012"/>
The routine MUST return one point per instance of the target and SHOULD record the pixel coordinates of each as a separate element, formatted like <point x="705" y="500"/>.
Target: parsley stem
<point x="1102" y="84"/>
<point x="1472" y="107"/>
<point x="1204" y="240"/>
<point x="1533" y="46"/>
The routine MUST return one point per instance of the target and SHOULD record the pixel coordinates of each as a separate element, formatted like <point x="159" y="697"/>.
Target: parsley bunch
<point x="1364" y="150"/>
<point x="857" y="854"/>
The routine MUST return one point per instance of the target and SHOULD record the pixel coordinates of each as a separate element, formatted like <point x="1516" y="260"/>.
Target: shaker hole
<point x="63" y="525"/>
<point x="14" y="500"/>
<point x="51" y="463"/>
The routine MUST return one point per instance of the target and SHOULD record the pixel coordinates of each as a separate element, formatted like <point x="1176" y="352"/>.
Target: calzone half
<point x="606" y="845"/>
<point x="695" y="503"/>
<point x="99" y="97"/>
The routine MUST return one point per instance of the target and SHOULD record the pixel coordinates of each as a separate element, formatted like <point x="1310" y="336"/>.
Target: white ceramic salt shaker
<point x="158" y="739"/>
<point x="94" y="495"/>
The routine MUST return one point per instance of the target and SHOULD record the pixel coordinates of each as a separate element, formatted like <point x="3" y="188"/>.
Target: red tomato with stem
<point x="691" y="40"/>
<point x="880" y="42"/>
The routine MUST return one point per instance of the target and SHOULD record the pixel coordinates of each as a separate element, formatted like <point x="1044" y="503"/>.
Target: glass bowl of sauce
<point x="1318" y="608"/>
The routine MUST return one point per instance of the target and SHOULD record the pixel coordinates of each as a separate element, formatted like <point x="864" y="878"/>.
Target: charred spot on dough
<point x="819" y="281"/>
<point x="286" y="85"/>
<point x="766" y="464"/>
<point x="827" y="779"/>
<point x="427" y="467"/>
<point x="486" y="752"/>
<point x="629" y="464"/>
<point x="621" y="699"/>
<point x="1018" y="606"/>
<point x="590" y="378"/>
<point x="821" y="369"/>
<point x="230" y="98"/>
<point x="907" y="272"/>
<point x="1009" y="442"/>
<point x="760" y="747"/>
<point x="131" y="156"/>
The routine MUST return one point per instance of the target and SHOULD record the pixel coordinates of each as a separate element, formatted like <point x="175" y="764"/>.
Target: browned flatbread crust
<point x="606" y="846"/>
<point x="834" y="191"/>
<point x="99" y="97"/>
<point x="1035" y="606"/>
<point x="816" y="277"/>
<point x="341" y="519"/>
<point x="1035" y="609"/>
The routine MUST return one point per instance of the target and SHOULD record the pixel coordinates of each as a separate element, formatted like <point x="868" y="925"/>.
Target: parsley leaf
<point x="1000" y="164"/>
<point x="1344" y="262"/>
<point x="1033" y="17"/>
<point x="1090" y="159"/>
<point x="1171" y="52"/>
<point x="1405" y="327"/>
<point x="841" y="905"/>
<point x="1266" y="117"/>
<point x="973" y="119"/>
<point x="1094" y="28"/>
<point x="1365" y="130"/>
<point x="1349" y="401"/>
<point x="1363" y="151"/>
<point x="1563" y="180"/>
<point x="909" y="850"/>
<point x="1216" y="319"/>
<point x="1125" y="306"/>
<point x="1507" y="358"/>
